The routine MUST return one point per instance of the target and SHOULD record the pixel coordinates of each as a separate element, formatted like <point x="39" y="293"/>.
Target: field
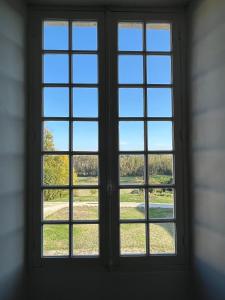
<point x="132" y="206"/>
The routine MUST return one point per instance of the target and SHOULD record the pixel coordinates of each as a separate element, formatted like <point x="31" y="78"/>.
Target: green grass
<point x="79" y="213"/>
<point x="156" y="213"/>
<point x="56" y="237"/>
<point x="126" y="195"/>
<point x="161" y="196"/>
<point x="86" y="180"/>
<point x="55" y="240"/>
<point x="160" y="179"/>
<point x="154" y="179"/>
<point x="155" y="196"/>
<point x="131" y="180"/>
<point x="86" y="236"/>
<point x="91" y="213"/>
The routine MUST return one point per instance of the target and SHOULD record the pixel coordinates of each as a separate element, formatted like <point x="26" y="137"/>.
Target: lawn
<point x="127" y="195"/>
<point x="85" y="237"/>
<point x="132" y="236"/>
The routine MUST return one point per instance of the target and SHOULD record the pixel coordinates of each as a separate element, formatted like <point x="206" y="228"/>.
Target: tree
<point x="48" y="140"/>
<point x="56" y="168"/>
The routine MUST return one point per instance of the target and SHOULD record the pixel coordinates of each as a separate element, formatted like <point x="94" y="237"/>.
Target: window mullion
<point x="70" y="144"/>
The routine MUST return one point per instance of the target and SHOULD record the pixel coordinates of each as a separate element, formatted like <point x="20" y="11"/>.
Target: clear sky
<point x="130" y="100"/>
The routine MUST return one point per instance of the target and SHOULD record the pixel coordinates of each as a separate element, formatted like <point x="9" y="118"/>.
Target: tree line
<point x="56" y="167"/>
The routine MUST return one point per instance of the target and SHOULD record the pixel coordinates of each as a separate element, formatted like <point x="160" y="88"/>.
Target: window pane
<point x="131" y="136"/>
<point x="130" y="36"/>
<point x="159" y="102"/>
<point x="56" y="68"/>
<point x="160" y="168"/>
<point x="130" y="69"/>
<point x="56" y="102"/>
<point x="85" y="102"/>
<point x="55" y="35"/>
<point x="85" y="136"/>
<point x="84" y="35"/>
<point x="161" y="203"/>
<point x="132" y="204"/>
<point x="159" y="69"/>
<point x="85" y="170"/>
<point x="56" y="204"/>
<point x="86" y="239"/>
<point x="55" y="240"/>
<point x="85" y="68"/>
<point x="158" y="37"/>
<point x="55" y="170"/>
<point x="85" y="204"/>
<point x="160" y="135"/>
<point x="131" y="169"/>
<point x="162" y="238"/>
<point x="131" y="102"/>
<point x="132" y="239"/>
<point x="56" y="136"/>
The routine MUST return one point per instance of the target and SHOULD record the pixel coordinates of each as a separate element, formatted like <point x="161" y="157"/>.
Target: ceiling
<point x="134" y="3"/>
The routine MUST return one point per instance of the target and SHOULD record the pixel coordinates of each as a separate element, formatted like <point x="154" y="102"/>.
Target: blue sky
<point x="130" y="100"/>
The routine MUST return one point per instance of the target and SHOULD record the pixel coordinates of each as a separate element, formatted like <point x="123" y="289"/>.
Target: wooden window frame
<point x="107" y="19"/>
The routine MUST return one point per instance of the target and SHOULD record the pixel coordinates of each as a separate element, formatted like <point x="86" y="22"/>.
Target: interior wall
<point x="12" y="149"/>
<point x="49" y="282"/>
<point x="207" y="116"/>
<point x="66" y="284"/>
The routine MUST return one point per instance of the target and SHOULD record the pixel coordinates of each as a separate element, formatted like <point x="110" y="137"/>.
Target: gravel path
<point x="52" y="207"/>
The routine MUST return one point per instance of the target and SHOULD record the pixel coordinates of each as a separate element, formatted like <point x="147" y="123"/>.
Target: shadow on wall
<point x="209" y="262"/>
<point x="12" y="149"/>
<point x="208" y="276"/>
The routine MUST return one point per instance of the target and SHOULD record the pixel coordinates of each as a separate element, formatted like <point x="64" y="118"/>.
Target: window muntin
<point x="65" y="112"/>
<point x="70" y="139"/>
<point x="146" y="139"/>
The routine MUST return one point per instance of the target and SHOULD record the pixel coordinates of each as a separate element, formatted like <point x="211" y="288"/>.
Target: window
<point x="146" y="156"/>
<point x="107" y="172"/>
<point x="70" y="146"/>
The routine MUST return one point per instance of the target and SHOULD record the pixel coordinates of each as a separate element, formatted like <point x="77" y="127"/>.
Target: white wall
<point x="207" y="119"/>
<point x="12" y="148"/>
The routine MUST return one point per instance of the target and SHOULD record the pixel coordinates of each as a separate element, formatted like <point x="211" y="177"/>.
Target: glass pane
<point x="162" y="238"/>
<point x="56" y="102"/>
<point x="56" y="136"/>
<point x="158" y="37"/>
<point x="55" y="35"/>
<point x="85" y="136"/>
<point x="85" y="204"/>
<point x="130" y="36"/>
<point x="130" y="69"/>
<point x="160" y="168"/>
<point x="84" y="35"/>
<point x="56" y="68"/>
<point x="160" y="135"/>
<point x="131" y="136"/>
<point x="131" y="169"/>
<point x="161" y="203"/>
<point x="86" y="239"/>
<point x="56" y="204"/>
<point x="55" y="170"/>
<point x="132" y="204"/>
<point x="159" y="69"/>
<point x="159" y="102"/>
<point x="132" y="239"/>
<point x="131" y="102"/>
<point x="85" y="170"/>
<point x="85" y="68"/>
<point x="55" y="240"/>
<point x="85" y="102"/>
